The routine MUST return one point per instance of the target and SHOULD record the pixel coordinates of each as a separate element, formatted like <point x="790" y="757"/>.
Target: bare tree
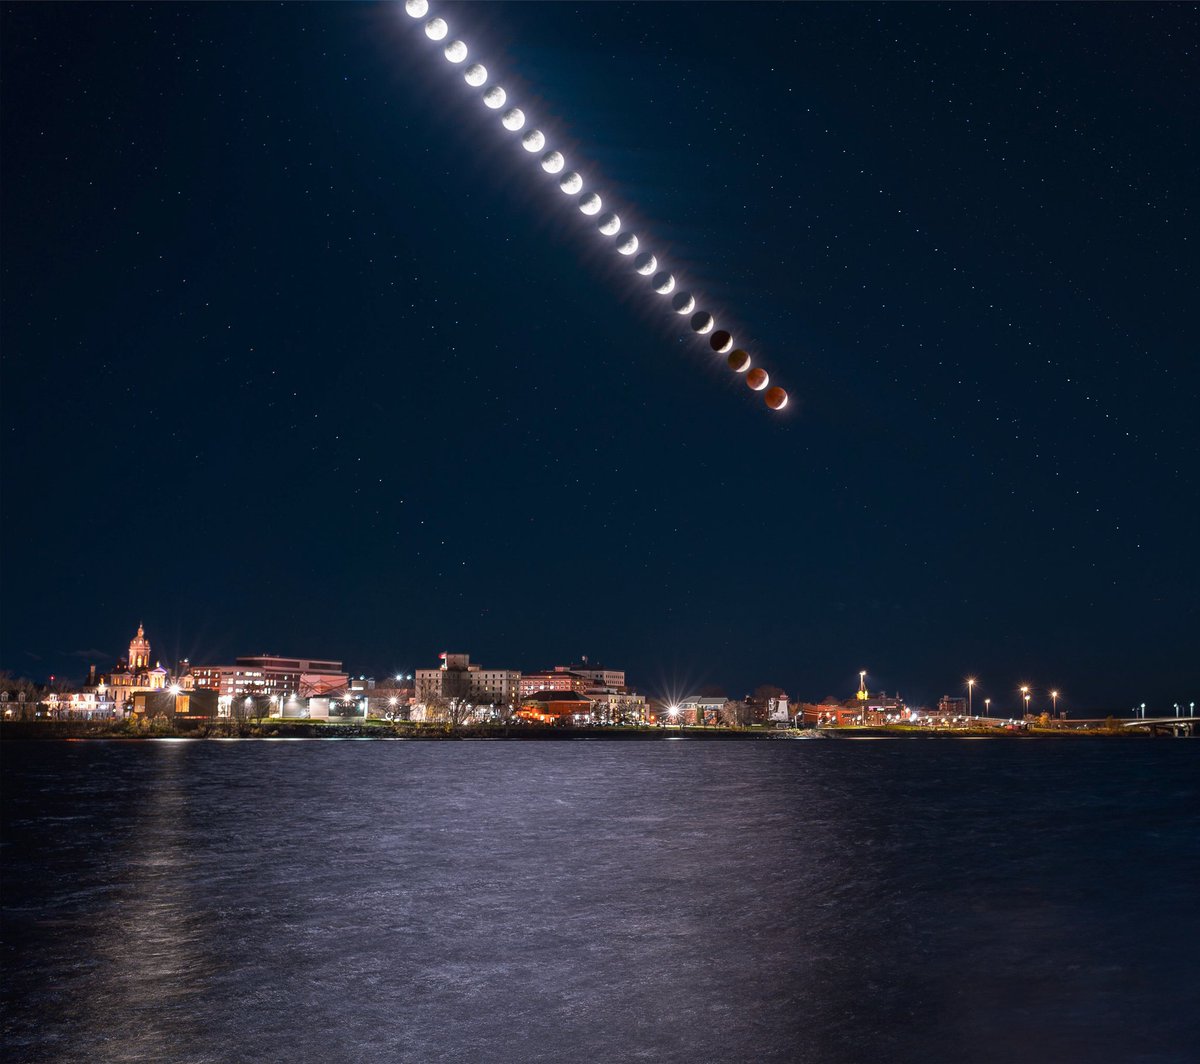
<point x="735" y="713"/>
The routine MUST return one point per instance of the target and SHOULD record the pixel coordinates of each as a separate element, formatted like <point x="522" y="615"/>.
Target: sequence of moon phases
<point x="553" y="162"/>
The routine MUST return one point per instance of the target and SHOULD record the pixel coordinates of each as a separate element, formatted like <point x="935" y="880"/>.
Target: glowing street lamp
<point x="1054" y="702"/>
<point x="970" y="691"/>
<point x="987" y="707"/>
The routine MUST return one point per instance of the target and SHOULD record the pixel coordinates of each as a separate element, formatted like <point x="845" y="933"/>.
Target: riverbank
<point x="135" y="729"/>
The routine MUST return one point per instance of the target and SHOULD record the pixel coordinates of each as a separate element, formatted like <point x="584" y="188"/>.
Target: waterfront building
<point x="697" y="709"/>
<point x="272" y="677"/>
<point x="458" y="678"/>
<point x="554" y="707"/>
<point x="610" y="679"/>
<point x="556" y="679"/>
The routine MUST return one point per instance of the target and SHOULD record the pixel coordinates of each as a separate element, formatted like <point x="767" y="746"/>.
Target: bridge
<point x="1178" y="726"/>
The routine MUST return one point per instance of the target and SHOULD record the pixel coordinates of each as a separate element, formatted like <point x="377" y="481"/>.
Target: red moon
<point x="757" y="379"/>
<point x="776" y="398"/>
<point x="738" y="361"/>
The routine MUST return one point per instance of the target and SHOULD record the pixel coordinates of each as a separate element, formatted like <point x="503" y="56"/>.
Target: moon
<point x="627" y="244"/>
<point x="436" y="29"/>
<point x="416" y="8"/>
<point x="456" y="51"/>
<point x="513" y="119"/>
<point x="739" y="361"/>
<point x="757" y="379"/>
<point x="702" y="321"/>
<point x="776" y="398"/>
<point x="645" y="263"/>
<point x="721" y="341"/>
<point x="590" y="204"/>
<point x="553" y="161"/>
<point x="534" y="140"/>
<point x="475" y="75"/>
<point x="495" y="97"/>
<point x="571" y="183"/>
<point x="683" y="302"/>
<point x="609" y="224"/>
<point x="663" y="283"/>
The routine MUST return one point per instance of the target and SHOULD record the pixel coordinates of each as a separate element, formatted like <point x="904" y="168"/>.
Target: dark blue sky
<point x="302" y="353"/>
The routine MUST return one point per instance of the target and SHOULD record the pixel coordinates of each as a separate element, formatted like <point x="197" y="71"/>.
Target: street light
<point x="970" y="691"/>
<point x="987" y="707"/>
<point x="1054" y="703"/>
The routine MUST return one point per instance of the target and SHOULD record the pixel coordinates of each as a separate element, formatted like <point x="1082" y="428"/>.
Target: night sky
<point x="303" y="354"/>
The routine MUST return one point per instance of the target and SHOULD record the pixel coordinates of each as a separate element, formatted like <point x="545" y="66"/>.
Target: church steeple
<point x="139" y="651"/>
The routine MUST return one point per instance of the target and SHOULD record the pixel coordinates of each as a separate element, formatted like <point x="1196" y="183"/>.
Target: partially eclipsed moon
<point x="739" y="361"/>
<point x="571" y="183"/>
<point x="627" y="245"/>
<point x="721" y="341"/>
<point x="590" y="204"/>
<point x="702" y="321"/>
<point x="757" y="379"/>
<point x="534" y="140"/>
<point x="495" y="97"/>
<point x="683" y="302"/>
<point x="475" y="75"/>
<point x="776" y="398"/>
<point x="416" y="8"/>
<point x="645" y="263"/>
<point x="514" y="119"/>
<point x="663" y="283"/>
<point x="553" y="161"/>
<point x="436" y="29"/>
<point x="456" y="51"/>
<point x="609" y="224"/>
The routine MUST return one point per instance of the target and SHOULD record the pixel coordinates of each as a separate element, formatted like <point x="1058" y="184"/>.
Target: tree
<point x="735" y="713"/>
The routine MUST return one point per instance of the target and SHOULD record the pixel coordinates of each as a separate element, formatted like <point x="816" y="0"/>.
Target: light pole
<point x="1025" y="695"/>
<point x="970" y="692"/>
<point x="987" y="707"/>
<point x="1054" y="703"/>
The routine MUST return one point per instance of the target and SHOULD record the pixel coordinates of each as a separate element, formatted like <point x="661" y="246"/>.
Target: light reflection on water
<point x="684" y="901"/>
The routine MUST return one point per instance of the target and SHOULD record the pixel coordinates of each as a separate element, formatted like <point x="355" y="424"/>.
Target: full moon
<point x="553" y="161"/>
<point x="663" y="283"/>
<point x="571" y="183"/>
<point x="645" y="263"/>
<point x="721" y="341"/>
<point x="627" y="245"/>
<point x="436" y="29"/>
<point x="475" y="75"/>
<point x="456" y="51"/>
<point x="776" y="398"/>
<point x="495" y="97"/>
<point x="534" y="140"/>
<point x="757" y="379"/>
<point x="416" y="8"/>
<point x="739" y="361"/>
<point x="702" y="321"/>
<point x="683" y="303"/>
<point x="514" y="119"/>
<point x="590" y="204"/>
<point x="609" y="224"/>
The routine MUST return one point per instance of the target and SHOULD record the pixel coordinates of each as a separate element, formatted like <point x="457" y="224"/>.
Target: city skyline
<point x="296" y="358"/>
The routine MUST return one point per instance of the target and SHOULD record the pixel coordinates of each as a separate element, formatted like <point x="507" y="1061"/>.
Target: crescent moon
<point x="628" y="244"/>
<point x="757" y="379"/>
<point x="702" y="322"/>
<point x="721" y="341"/>
<point x="645" y="263"/>
<point x="610" y="224"/>
<point x="663" y="283"/>
<point x="683" y="302"/>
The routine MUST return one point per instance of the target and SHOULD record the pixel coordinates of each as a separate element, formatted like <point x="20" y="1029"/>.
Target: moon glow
<point x="571" y="183"/>
<point x="475" y="75"/>
<point x="702" y="322"/>
<point x="683" y="302"/>
<point x="663" y="283"/>
<point x="417" y="8"/>
<point x="590" y="204"/>
<point x="627" y="244"/>
<point x="553" y="161"/>
<point x="513" y="119"/>
<point x="645" y="263"/>
<point x="456" y="51"/>
<point x="610" y="224"/>
<point x="495" y="97"/>
<point x="534" y="140"/>
<point x="436" y="29"/>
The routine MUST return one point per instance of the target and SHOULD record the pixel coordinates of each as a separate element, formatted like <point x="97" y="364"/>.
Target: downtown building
<point x="458" y="677"/>
<point x="272" y="678"/>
